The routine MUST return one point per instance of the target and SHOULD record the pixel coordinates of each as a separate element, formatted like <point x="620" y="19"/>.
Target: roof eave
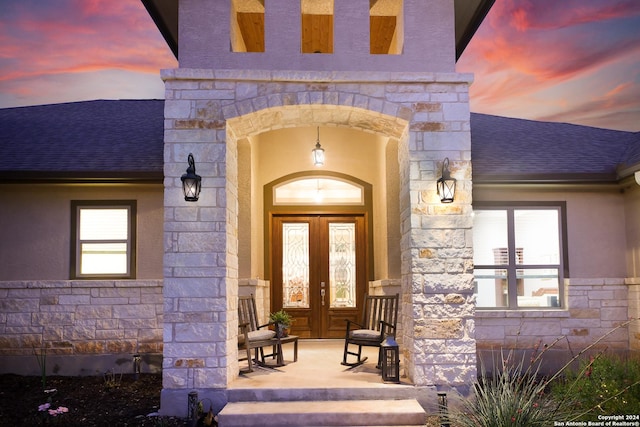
<point x="166" y="19"/>
<point x="546" y="179"/>
<point x="469" y="29"/>
<point x="33" y="177"/>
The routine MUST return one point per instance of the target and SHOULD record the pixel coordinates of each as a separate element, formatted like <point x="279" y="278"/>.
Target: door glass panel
<point x="295" y="265"/>
<point x="342" y="264"/>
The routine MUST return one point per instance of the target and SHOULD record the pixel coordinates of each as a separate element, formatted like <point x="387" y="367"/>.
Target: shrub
<point x="514" y="395"/>
<point x="604" y="384"/>
<point x="517" y="396"/>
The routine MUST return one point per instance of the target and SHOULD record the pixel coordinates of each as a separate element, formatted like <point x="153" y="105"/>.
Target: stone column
<point x="436" y="245"/>
<point x="200" y="261"/>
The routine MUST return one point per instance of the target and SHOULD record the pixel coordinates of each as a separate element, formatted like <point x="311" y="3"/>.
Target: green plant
<point x="603" y="384"/>
<point x="42" y="364"/>
<point x="111" y="379"/>
<point x="516" y="395"/>
<point x="513" y="395"/>
<point x="281" y="317"/>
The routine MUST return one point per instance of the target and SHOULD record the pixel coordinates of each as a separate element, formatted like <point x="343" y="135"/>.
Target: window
<point x="103" y="239"/>
<point x="518" y="256"/>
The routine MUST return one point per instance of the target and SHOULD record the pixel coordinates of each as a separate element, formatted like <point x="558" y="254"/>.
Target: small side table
<point x="286" y="340"/>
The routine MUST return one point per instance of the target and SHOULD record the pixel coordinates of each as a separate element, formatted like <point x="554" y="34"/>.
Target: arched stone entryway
<point x="210" y="116"/>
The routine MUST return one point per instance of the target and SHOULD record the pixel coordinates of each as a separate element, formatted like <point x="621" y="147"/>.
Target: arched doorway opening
<point x="318" y="250"/>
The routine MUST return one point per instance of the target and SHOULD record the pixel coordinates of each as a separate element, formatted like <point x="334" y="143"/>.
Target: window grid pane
<point x="103" y="258"/>
<point x="104" y="224"/>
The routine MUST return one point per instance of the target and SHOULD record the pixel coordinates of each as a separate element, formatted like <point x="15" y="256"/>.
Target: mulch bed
<point x="91" y="401"/>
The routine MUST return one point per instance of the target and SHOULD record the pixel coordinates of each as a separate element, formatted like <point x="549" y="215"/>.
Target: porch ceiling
<point x="469" y="14"/>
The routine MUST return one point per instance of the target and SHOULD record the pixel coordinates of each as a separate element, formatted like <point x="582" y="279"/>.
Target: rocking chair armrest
<point x="391" y="326"/>
<point x="349" y="322"/>
<point x="266" y="324"/>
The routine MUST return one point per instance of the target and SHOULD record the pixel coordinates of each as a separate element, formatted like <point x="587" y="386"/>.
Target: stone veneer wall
<point x="596" y="307"/>
<point x="85" y="327"/>
<point x="208" y="111"/>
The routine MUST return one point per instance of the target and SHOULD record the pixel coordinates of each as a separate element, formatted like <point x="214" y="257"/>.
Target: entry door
<point x="318" y="271"/>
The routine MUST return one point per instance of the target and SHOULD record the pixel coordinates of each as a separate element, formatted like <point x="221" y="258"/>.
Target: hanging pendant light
<point x="318" y="152"/>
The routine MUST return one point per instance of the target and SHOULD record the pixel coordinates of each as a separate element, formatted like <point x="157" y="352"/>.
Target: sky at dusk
<point x="575" y="61"/>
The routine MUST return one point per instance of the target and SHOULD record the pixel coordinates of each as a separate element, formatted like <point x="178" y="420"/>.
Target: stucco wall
<point x="597" y="291"/>
<point x="596" y="227"/>
<point x="35" y="222"/>
<point x="428" y="38"/>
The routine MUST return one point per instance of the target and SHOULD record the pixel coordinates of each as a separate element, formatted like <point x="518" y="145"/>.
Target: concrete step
<point x="404" y="412"/>
<point x="394" y="392"/>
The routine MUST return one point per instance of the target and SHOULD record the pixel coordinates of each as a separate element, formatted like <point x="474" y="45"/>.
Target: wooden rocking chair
<point x="253" y="336"/>
<point x="379" y="321"/>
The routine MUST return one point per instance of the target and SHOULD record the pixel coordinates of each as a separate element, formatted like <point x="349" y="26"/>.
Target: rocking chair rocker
<point x="378" y="322"/>
<point x="253" y="336"/>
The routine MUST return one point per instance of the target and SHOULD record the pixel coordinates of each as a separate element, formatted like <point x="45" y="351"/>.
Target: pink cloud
<point x="79" y="37"/>
<point x="524" y="49"/>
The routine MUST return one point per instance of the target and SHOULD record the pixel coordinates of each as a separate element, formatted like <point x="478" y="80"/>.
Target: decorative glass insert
<point x="295" y="265"/>
<point x="342" y="264"/>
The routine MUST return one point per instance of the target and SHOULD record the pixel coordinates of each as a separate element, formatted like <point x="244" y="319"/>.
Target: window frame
<point x="76" y="244"/>
<point x="512" y="267"/>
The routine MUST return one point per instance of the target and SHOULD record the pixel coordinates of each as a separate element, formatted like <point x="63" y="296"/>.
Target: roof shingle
<point x="124" y="139"/>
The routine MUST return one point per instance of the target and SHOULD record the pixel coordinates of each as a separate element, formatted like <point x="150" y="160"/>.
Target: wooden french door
<point x="318" y="271"/>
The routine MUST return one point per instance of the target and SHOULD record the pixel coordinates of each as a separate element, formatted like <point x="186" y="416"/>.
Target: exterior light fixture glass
<point x="191" y="183"/>
<point x="318" y="152"/>
<point x="446" y="185"/>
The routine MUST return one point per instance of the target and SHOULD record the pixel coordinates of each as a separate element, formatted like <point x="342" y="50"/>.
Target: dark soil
<point x="92" y="401"/>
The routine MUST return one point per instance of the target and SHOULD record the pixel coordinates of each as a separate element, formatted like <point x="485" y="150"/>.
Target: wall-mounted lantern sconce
<point x="446" y="185"/>
<point x="318" y="152"/>
<point x="191" y="183"/>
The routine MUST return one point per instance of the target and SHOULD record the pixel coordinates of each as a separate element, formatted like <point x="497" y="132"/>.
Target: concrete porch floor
<point x="318" y="367"/>
<point x="358" y="396"/>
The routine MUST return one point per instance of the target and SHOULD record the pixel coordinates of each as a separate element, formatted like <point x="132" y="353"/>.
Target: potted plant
<point x="282" y="320"/>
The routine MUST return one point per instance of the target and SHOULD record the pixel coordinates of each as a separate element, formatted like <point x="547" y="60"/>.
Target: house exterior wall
<point x="36" y="220"/>
<point x="204" y="38"/>
<point x="81" y="327"/>
<point x="208" y="111"/>
<point x="85" y="326"/>
<point x="598" y="292"/>
<point x="632" y="219"/>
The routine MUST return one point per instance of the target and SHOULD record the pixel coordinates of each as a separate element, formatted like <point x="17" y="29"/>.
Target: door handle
<point x="322" y="295"/>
